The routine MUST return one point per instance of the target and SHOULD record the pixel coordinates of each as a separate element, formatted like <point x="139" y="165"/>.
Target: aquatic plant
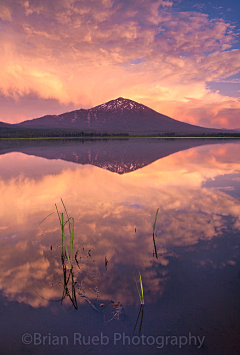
<point x="41" y="223"/>
<point x="141" y="297"/>
<point x="65" y="254"/>
<point x="70" y="222"/>
<point x="155" y="233"/>
<point x="68" y="276"/>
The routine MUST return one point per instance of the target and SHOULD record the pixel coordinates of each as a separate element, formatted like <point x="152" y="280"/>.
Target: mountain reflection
<point x="117" y="155"/>
<point x="107" y="208"/>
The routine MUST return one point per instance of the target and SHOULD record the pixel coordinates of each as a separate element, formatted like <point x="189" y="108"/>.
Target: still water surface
<point x="191" y="291"/>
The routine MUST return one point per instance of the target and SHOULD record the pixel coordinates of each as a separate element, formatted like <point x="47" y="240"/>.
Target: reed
<point x="154" y="233"/>
<point x="141" y="297"/>
<point x="154" y="225"/>
<point x="68" y="276"/>
<point x="70" y="222"/>
<point x="41" y="223"/>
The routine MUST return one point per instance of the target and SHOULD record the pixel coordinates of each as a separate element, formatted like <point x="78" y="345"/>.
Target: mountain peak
<point x="119" y="105"/>
<point x="120" y="116"/>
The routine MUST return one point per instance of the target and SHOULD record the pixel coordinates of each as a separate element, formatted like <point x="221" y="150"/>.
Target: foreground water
<point x="191" y="291"/>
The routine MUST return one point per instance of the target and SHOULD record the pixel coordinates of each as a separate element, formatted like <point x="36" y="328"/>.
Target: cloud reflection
<point x="106" y="209"/>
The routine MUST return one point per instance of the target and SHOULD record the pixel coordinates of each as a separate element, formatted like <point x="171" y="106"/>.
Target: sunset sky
<point x="179" y="57"/>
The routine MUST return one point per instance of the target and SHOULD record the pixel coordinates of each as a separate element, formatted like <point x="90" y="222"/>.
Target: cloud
<point x="206" y="113"/>
<point x="5" y="13"/>
<point x="87" y="52"/>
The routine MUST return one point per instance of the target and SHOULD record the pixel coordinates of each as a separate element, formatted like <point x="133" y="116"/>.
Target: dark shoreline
<point x="125" y="137"/>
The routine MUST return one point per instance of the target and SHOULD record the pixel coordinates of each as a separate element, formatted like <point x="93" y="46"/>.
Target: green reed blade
<point x="140" y="294"/>
<point x="64" y="208"/>
<point x="67" y="251"/>
<point x="140" y="280"/>
<point x="154" y="226"/>
<point x="67" y="216"/>
<point x="58" y="214"/>
<point x="71" y="229"/>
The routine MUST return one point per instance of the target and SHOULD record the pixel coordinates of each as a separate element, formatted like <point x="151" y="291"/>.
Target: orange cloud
<point x="89" y="52"/>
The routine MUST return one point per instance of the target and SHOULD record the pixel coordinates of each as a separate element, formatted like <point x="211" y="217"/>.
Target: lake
<point x="120" y="288"/>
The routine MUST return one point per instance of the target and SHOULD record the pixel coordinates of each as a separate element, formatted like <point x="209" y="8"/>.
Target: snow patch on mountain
<point x="120" y="105"/>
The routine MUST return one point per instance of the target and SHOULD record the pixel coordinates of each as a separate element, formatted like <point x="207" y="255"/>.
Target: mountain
<point x="120" y="116"/>
<point x="3" y="124"/>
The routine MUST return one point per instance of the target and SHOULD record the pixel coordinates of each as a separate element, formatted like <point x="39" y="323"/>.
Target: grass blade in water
<point x="154" y="244"/>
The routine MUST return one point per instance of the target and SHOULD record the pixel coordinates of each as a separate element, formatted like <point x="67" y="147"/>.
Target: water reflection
<point x="114" y="216"/>
<point x="116" y="155"/>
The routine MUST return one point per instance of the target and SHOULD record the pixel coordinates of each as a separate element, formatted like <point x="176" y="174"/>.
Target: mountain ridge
<point x="118" y="116"/>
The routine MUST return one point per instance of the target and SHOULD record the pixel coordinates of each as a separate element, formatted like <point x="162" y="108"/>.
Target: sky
<point x="179" y="57"/>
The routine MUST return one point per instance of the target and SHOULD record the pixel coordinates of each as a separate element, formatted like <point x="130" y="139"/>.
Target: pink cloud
<point x="83" y="53"/>
<point x="207" y="114"/>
